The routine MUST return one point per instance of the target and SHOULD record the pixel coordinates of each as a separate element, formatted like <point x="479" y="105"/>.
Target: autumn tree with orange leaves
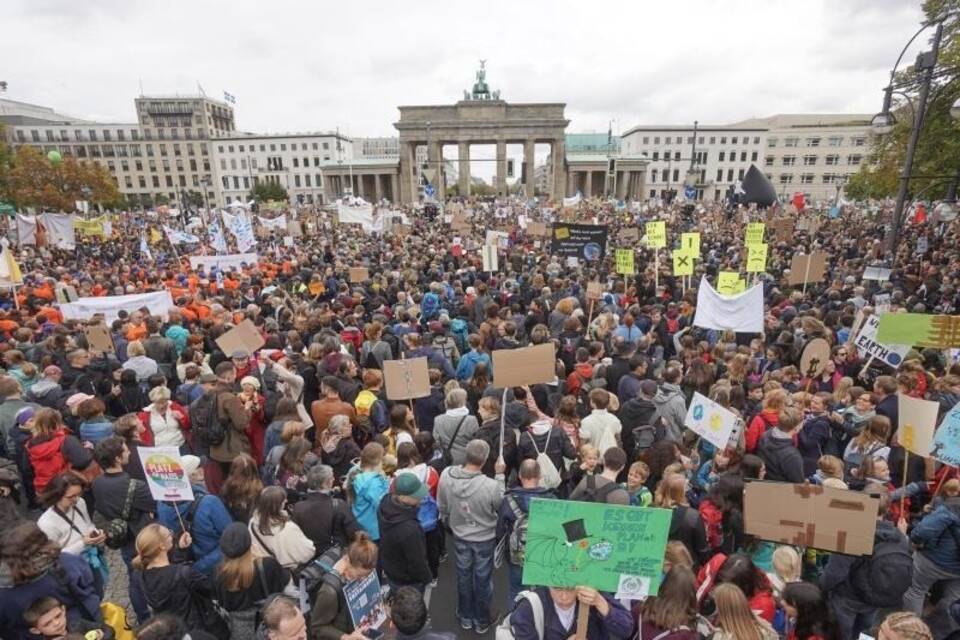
<point x="31" y="180"/>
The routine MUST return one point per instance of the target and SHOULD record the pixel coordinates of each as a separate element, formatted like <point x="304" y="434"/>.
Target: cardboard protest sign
<point x="243" y="337"/>
<point x="288" y="241"/>
<point x="365" y="603"/>
<point x="625" y="262"/>
<point x="67" y="293"/>
<point x="582" y="241"/>
<point x="536" y="229"/>
<point x="755" y="231"/>
<point x="783" y="229"/>
<point x="729" y="283"/>
<point x="594" y="290"/>
<point x="807" y="268"/>
<point x="656" y="231"/>
<point x="405" y="379"/>
<point x="608" y="547"/>
<point x="359" y="274"/>
<point x="920" y="330"/>
<point x="629" y="235"/>
<point x="682" y="263"/>
<point x="490" y="258"/>
<point x="165" y="474"/>
<point x="811" y="516"/>
<point x="918" y="419"/>
<point x="690" y="243"/>
<point x="756" y="258"/>
<point x="946" y="441"/>
<point x="710" y="421"/>
<point x="99" y="338"/>
<point x="877" y="273"/>
<point x="868" y="345"/>
<point x="814" y="358"/>
<point x="519" y="367"/>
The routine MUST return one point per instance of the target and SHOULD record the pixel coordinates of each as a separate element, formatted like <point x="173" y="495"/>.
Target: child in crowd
<point x="586" y="464"/>
<point x="47" y="618"/>
<point x="637" y="476"/>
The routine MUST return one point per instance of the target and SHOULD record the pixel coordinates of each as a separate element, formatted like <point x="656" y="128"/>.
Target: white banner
<point x="223" y="263"/>
<point x="489" y="253"/>
<point x="239" y="225"/>
<point x="60" y="233"/>
<point x="279" y="222"/>
<point x="180" y="237"/>
<point x="26" y="229"/>
<point x="158" y="302"/>
<point x="362" y="215"/>
<point x="217" y="241"/>
<point x="710" y="421"/>
<point x="742" y="313"/>
<point x="574" y="201"/>
<point x="165" y="474"/>
<point x="867" y="345"/>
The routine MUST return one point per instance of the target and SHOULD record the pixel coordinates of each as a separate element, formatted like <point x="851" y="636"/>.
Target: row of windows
<point x="809" y="178"/>
<point x="299" y="181"/>
<point x="701" y="139"/>
<point x="811" y="160"/>
<point x="273" y="147"/>
<point x="832" y="141"/>
<point x="106" y="135"/>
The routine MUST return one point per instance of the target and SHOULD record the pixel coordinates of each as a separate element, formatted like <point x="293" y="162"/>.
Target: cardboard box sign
<point x="243" y="337"/>
<point x="801" y="514"/>
<point x="99" y="338"/>
<point x="594" y="290"/>
<point x="530" y="365"/>
<point x="359" y="274"/>
<point x="537" y="229"/>
<point x="405" y="379"/>
<point x="809" y="268"/>
<point x="629" y="235"/>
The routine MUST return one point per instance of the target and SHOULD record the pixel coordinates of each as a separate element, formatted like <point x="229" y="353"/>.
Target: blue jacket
<point x="209" y="521"/>
<point x="93" y="431"/>
<point x="507" y="518"/>
<point x="368" y="489"/>
<point x="79" y="580"/>
<point x="469" y="362"/>
<point x="617" y="624"/>
<point x="938" y="535"/>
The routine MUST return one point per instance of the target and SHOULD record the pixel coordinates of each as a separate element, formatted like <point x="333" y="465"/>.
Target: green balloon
<point x="54" y="157"/>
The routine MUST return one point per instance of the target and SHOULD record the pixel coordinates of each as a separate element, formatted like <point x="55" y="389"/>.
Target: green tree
<point x="263" y="191"/>
<point x="6" y="162"/>
<point x="938" y="149"/>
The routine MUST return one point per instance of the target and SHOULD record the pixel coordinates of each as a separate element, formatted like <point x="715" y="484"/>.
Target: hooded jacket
<point x="544" y="437"/>
<point x="181" y="590"/>
<point x="672" y="407"/>
<point x="469" y="362"/>
<point x="435" y="359"/>
<point x="403" y="545"/>
<point x="783" y="461"/>
<point x="836" y="575"/>
<point x="368" y="487"/>
<point x="469" y="502"/>
<point x="210" y="518"/>
<point x="938" y="535"/>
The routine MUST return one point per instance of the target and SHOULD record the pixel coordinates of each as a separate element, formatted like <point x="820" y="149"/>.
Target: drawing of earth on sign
<point x="568" y="555"/>
<point x="164" y="470"/>
<point x="592" y="251"/>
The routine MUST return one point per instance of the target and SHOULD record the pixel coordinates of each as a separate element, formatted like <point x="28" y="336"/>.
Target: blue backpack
<point x="459" y="330"/>
<point x="430" y="306"/>
<point x="428" y="514"/>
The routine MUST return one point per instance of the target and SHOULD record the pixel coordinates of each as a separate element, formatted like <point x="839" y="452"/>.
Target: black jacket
<point x="180" y="590"/>
<point x="558" y="447"/>
<point x="634" y="413"/>
<point x="403" y="545"/>
<point x="617" y="369"/>
<point x="489" y="432"/>
<point x="836" y="575"/>
<point x="686" y="526"/>
<point x="109" y="494"/>
<point x="783" y="461"/>
<point x="325" y="520"/>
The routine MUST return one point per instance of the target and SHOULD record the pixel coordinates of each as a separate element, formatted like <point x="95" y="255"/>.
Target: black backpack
<point x="881" y="579"/>
<point x="593" y="493"/>
<point x="205" y="420"/>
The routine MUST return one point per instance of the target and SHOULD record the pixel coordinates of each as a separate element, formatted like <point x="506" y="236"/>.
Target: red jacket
<point x="581" y="373"/>
<point x="146" y="438"/>
<point x="758" y="426"/>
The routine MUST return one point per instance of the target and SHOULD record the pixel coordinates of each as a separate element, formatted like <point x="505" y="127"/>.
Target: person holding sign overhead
<point x="560" y="609"/>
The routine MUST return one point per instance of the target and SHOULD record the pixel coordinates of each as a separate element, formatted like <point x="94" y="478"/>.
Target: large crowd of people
<point x="307" y="478"/>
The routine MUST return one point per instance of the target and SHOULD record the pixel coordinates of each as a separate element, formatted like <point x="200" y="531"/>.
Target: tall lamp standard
<point x="883" y="122"/>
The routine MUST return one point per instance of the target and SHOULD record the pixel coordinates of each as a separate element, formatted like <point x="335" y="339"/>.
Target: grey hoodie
<point x="672" y="407"/>
<point x="469" y="502"/>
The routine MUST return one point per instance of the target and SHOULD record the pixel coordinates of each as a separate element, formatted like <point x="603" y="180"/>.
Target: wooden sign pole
<point x="583" y="621"/>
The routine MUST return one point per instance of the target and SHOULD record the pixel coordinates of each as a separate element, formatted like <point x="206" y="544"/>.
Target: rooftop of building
<point x="786" y="120"/>
<point x="249" y="135"/>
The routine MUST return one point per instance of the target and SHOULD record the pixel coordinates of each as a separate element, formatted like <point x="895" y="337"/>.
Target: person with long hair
<point x="365" y="487"/>
<point x="567" y="418"/>
<point x="330" y="615"/>
<point x="172" y="587"/>
<point x="722" y="514"/>
<point x="686" y="525"/>
<point x="672" y="613"/>
<point x="243" y="581"/>
<point x="738" y="569"/>
<point x="285" y="412"/>
<point x="241" y="488"/>
<point x="734" y="620"/>
<point x="37" y="568"/>
<point x="292" y="468"/>
<point x="773" y="403"/>
<point x="338" y="449"/>
<point x="52" y="449"/>
<point x="808" y="616"/>
<point x="68" y="523"/>
<point x="476" y="385"/>
<point x="870" y="443"/>
<point x="131" y="430"/>
<point x="275" y="534"/>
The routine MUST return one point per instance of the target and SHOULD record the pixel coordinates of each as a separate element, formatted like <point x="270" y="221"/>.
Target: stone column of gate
<point x="394" y="194"/>
<point x="435" y="158"/>
<point x="559" y="163"/>
<point x="501" y="167"/>
<point x="528" y="158"/>
<point x="408" y="185"/>
<point x="377" y="189"/>
<point x="588" y="184"/>
<point x="623" y="177"/>
<point x="463" y="151"/>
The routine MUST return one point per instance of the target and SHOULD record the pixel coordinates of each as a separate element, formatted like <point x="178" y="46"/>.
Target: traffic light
<point x="612" y="167"/>
<point x="509" y="168"/>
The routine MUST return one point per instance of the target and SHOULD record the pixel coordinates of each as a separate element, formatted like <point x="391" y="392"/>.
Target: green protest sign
<point x="608" y="547"/>
<point x="919" y="330"/>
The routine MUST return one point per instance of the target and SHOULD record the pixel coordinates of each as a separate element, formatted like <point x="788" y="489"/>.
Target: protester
<point x="275" y="534"/>
<point x="329" y="615"/>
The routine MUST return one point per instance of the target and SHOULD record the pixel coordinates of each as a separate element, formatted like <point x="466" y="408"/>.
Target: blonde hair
<point x="589" y="449"/>
<point x="237" y="573"/>
<point x="135" y="348"/>
<point x="908" y="626"/>
<point x="151" y="543"/>
<point x="158" y="394"/>
<point x="677" y="554"/>
<point x="831" y="466"/>
<point x="734" y="615"/>
<point x="671" y="492"/>
<point x="786" y="563"/>
<point x="835" y="483"/>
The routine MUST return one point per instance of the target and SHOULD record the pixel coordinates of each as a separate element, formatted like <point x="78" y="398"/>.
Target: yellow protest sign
<point x="755" y="232"/>
<point x="690" y="243"/>
<point x="682" y="263"/>
<point x="656" y="234"/>
<point x="729" y="283"/>
<point x="625" y="262"/>
<point x="756" y="258"/>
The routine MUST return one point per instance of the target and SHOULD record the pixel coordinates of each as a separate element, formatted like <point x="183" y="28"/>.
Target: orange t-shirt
<point x="136" y="333"/>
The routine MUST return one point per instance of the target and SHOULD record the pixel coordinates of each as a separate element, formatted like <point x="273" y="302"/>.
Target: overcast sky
<point x="306" y="66"/>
